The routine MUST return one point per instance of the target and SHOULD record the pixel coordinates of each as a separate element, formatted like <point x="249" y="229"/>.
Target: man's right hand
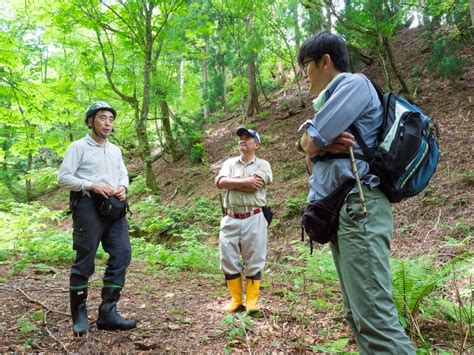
<point x="102" y="189"/>
<point x="341" y="144"/>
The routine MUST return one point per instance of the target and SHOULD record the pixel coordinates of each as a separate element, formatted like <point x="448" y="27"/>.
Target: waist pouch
<point x="267" y="213"/>
<point x="110" y="208"/>
<point x="321" y="218"/>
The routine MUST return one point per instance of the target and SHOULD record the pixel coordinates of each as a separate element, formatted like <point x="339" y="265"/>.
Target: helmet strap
<point x="97" y="133"/>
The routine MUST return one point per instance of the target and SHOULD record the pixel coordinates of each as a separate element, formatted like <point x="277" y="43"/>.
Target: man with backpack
<point x="94" y="171"/>
<point x="243" y="229"/>
<point x="362" y="247"/>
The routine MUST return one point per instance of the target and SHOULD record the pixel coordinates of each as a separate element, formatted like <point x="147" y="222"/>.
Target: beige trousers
<point x="246" y="238"/>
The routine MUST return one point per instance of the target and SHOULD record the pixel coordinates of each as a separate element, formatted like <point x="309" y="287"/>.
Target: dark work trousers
<point x="89" y="230"/>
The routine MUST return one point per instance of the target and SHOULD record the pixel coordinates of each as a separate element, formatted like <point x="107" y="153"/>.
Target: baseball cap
<point x="250" y="132"/>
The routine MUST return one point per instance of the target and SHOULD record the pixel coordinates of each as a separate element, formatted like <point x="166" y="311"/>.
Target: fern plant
<point x="413" y="280"/>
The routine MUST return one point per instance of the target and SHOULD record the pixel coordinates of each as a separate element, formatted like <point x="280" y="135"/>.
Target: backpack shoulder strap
<point x="377" y="88"/>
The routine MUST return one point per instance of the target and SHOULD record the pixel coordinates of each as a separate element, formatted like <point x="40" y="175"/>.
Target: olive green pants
<point x="361" y="256"/>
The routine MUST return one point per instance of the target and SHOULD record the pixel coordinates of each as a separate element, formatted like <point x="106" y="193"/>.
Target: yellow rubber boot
<point x="235" y="289"/>
<point x="253" y="290"/>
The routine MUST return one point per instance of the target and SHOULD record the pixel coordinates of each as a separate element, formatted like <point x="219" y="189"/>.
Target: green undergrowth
<point x="33" y="235"/>
<point x="423" y="291"/>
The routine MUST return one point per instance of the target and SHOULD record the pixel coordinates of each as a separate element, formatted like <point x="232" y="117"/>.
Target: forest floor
<point x="183" y="311"/>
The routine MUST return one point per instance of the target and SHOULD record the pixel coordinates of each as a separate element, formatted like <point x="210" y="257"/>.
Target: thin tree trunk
<point x="252" y="98"/>
<point x="205" y="84"/>
<point x="145" y="153"/>
<point x="29" y="192"/>
<point x="297" y="26"/>
<point x="166" y="124"/>
<point x="142" y="119"/>
<point x="181" y="78"/>
<point x="328" y="22"/>
<point x="252" y="95"/>
<point x="315" y="16"/>
<point x="396" y="70"/>
<point x="281" y="71"/>
<point x="471" y="8"/>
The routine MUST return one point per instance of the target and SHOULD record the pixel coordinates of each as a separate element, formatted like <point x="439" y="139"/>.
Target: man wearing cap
<point x="243" y="230"/>
<point x="93" y="165"/>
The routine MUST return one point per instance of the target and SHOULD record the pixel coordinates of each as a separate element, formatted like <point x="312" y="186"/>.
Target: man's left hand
<point x="120" y="192"/>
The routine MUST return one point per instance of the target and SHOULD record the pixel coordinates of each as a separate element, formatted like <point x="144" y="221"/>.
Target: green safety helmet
<point x="97" y="106"/>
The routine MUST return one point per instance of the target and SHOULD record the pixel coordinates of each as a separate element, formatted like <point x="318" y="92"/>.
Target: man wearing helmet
<point x="94" y="167"/>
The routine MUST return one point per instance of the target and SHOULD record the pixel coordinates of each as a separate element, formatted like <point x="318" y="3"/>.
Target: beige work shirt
<point x="236" y="168"/>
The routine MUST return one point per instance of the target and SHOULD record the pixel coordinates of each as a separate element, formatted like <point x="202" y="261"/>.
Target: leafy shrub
<point x="138" y="186"/>
<point x="445" y="59"/>
<point x="198" y="153"/>
<point x="191" y="253"/>
<point x="28" y="233"/>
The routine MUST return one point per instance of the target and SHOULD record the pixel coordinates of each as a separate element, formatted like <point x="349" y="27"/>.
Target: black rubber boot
<point x="80" y="323"/>
<point x="109" y="319"/>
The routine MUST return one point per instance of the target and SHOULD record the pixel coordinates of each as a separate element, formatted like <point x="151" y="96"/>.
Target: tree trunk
<point x="142" y="119"/>
<point x="224" y="88"/>
<point x="181" y="78"/>
<point x="252" y="98"/>
<point x="471" y="8"/>
<point x="145" y="153"/>
<point x="166" y="124"/>
<point x="315" y="15"/>
<point x="328" y="22"/>
<point x="297" y="26"/>
<point x="281" y="71"/>
<point x="205" y="84"/>
<point x="252" y="95"/>
<point x="388" y="49"/>
<point x="29" y="192"/>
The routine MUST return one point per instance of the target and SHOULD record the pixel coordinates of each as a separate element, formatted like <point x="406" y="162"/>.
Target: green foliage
<point x="336" y="346"/>
<point x="27" y="233"/>
<point x="413" y="280"/>
<point x="294" y="206"/>
<point x="137" y="187"/>
<point x="292" y="171"/>
<point x="317" y="269"/>
<point x="198" y="153"/>
<point x="189" y="226"/>
<point x="42" y="179"/>
<point x="191" y="138"/>
<point x="28" y="328"/>
<point x="467" y="176"/>
<point x="461" y="229"/>
<point x="445" y="59"/>
<point x="191" y="253"/>
<point x="154" y="220"/>
<point x="238" y="326"/>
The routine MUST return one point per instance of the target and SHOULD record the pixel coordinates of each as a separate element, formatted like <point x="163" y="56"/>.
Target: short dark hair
<point x="326" y="43"/>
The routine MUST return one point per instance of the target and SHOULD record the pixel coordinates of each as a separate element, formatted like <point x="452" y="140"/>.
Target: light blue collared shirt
<point x="354" y="98"/>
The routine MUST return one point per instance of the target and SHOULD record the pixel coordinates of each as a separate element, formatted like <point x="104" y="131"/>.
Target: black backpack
<point x="407" y="150"/>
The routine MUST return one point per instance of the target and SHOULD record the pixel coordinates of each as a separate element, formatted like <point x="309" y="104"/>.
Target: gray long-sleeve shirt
<point x="354" y="99"/>
<point x="87" y="162"/>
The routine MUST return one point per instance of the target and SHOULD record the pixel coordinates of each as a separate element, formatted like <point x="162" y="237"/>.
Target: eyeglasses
<point x="305" y="66"/>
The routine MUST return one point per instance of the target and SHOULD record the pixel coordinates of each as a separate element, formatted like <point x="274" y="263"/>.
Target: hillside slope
<point x="301" y="299"/>
<point x="421" y="223"/>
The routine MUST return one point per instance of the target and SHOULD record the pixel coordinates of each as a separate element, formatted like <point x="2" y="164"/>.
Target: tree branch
<point x="121" y="18"/>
